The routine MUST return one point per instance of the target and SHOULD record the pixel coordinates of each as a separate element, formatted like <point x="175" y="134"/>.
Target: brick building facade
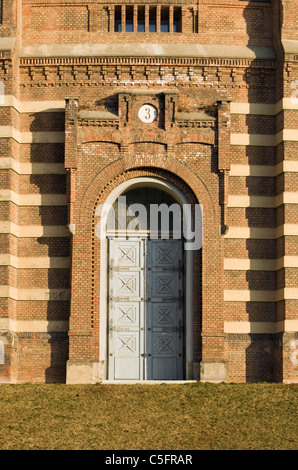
<point x="219" y="81"/>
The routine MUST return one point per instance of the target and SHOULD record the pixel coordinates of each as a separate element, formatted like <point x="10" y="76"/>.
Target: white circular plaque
<point x="147" y="113"/>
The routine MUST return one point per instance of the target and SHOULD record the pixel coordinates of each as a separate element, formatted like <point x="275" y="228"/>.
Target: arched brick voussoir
<point x="166" y="168"/>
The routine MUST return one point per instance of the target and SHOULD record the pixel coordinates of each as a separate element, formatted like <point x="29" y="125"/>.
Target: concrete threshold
<point x="147" y="382"/>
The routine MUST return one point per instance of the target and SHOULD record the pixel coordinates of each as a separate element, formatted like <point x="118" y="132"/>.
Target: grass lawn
<point x="198" y="416"/>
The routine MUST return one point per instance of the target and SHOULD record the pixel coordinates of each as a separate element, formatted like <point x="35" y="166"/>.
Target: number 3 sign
<point x="147" y="113"/>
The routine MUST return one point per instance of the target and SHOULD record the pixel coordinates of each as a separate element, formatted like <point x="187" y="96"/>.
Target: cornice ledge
<point x="290" y="46"/>
<point x="148" y="50"/>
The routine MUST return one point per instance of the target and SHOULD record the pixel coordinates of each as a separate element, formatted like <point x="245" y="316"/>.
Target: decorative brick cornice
<point x="99" y="123"/>
<point x="196" y="124"/>
<point x="145" y="72"/>
<point x="150" y="61"/>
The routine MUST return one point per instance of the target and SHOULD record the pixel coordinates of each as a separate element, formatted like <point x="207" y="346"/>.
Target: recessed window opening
<point x="129" y="19"/>
<point x="164" y="20"/>
<point x="152" y="19"/>
<point x="117" y="19"/>
<point x="177" y="20"/>
<point x="150" y="218"/>
<point x="141" y="19"/>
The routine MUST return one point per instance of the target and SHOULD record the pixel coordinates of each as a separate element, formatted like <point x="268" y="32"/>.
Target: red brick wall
<point x="230" y="22"/>
<point x="99" y="156"/>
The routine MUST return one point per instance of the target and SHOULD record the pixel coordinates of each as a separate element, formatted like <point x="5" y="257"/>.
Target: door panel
<point x="164" y="320"/>
<point x="126" y="309"/>
<point x="165" y="369"/>
<point x="126" y="355"/>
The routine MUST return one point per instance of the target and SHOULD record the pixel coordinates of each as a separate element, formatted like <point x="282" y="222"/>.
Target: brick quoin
<point x="223" y="77"/>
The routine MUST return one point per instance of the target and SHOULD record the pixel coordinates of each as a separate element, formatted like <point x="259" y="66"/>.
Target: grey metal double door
<point x="145" y="330"/>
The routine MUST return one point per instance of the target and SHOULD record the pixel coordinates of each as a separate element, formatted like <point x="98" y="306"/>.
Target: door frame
<point x="102" y="213"/>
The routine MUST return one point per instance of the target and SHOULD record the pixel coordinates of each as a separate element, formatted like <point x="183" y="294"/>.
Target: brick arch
<point x="163" y="167"/>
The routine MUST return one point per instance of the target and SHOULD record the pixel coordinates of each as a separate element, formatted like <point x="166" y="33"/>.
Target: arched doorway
<point x="148" y="284"/>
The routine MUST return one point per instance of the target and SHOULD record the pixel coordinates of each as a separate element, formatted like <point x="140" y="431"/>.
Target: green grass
<point x="149" y="417"/>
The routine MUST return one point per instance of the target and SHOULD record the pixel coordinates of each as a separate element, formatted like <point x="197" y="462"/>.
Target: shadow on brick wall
<point x="263" y="353"/>
<point x="52" y="346"/>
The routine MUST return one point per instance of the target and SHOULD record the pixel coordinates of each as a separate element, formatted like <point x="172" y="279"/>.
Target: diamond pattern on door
<point x="164" y="314"/>
<point x="164" y="344"/>
<point x="127" y="284"/>
<point x="127" y="314"/>
<point x="163" y="256"/>
<point x="127" y="344"/>
<point x="164" y="285"/>
<point x="126" y="254"/>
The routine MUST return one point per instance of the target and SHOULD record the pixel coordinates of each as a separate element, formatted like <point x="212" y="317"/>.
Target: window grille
<point x="143" y="18"/>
